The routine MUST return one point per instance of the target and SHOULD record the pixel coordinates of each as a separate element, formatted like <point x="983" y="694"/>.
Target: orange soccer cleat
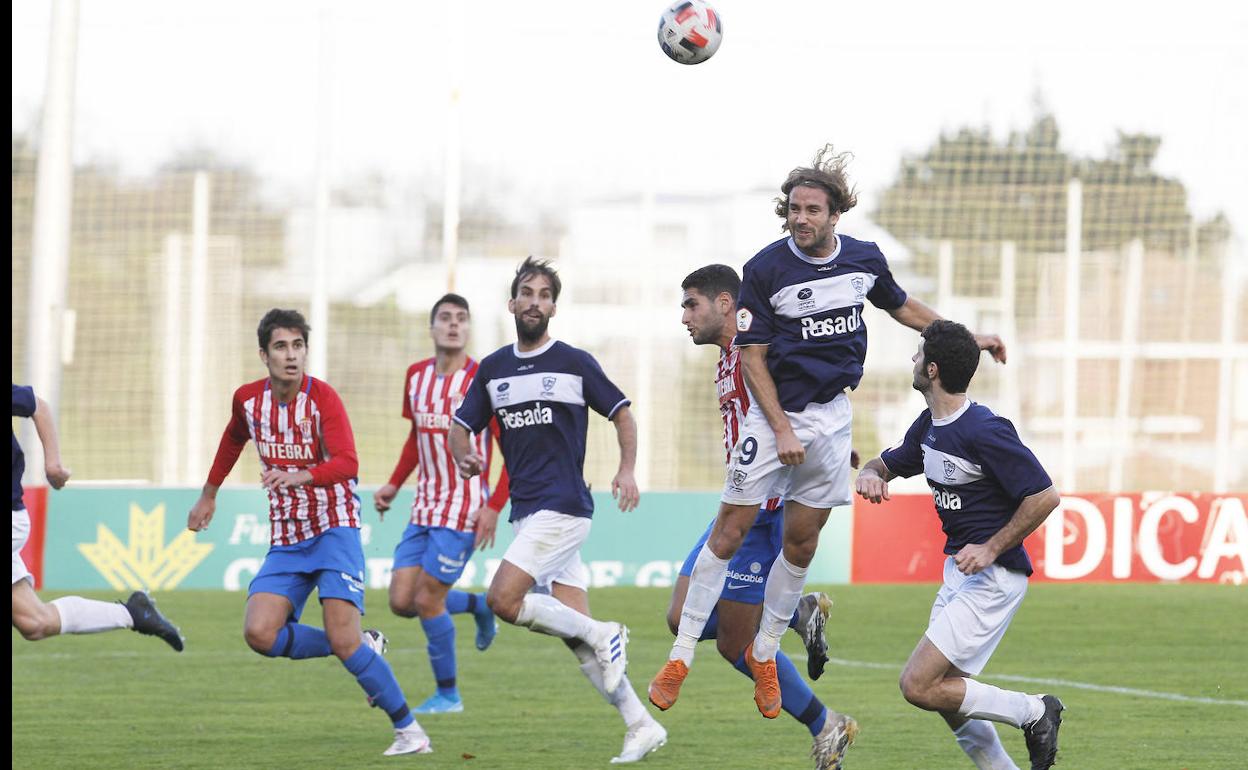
<point x="766" y="684"/>
<point x="665" y="687"/>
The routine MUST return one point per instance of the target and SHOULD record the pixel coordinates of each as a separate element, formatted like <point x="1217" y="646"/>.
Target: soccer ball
<point x="690" y="31"/>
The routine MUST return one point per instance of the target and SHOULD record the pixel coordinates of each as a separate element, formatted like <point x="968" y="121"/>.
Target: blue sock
<point x="711" y="629"/>
<point x="297" y="641"/>
<point x="796" y="697"/>
<point x="462" y="601"/>
<point x="793" y="622"/>
<point x="375" y="676"/>
<point x="440" y="631"/>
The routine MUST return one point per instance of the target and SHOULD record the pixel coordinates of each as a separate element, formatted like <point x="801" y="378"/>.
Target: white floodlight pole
<point x="1070" y="358"/>
<point x="50" y="237"/>
<point x="318" y="310"/>
<point x="197" y="330"/>
<point x="1127" y="353"/>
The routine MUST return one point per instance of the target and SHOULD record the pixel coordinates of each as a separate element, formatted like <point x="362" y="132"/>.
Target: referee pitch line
<point x="1056" y="683"/>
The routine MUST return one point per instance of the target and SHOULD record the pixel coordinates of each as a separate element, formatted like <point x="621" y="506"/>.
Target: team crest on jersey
<point x="857" y="284"/>
<point x="305" y="425"/>
<point x="949" y="469"/>
<point x="744" y="320"/>
<point x="548" y="386"/>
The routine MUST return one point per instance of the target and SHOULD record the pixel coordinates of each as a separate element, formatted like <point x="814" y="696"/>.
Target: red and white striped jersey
<point x="310" y="433"/>
<point x="734" y="397"/>
<point x="735" y="400"/>
<point x="443" y="499"/>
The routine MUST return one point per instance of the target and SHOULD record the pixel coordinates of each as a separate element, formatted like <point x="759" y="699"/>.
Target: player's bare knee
<point x="505" y="608"/>
<point x="403" y="604"/>
<point x="428" y="605"/>
<point x="260" y="638"/>
<point x="730" y="649"/>
<point x="914" y="690"/>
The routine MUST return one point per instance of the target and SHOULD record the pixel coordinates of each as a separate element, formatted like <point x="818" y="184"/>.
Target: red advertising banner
<point x="36" y="501"/>
<point x="1148" y="537"/>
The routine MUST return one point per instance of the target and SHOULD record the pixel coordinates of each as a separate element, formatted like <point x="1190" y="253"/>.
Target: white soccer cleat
<point x="409" y="740"/>
<point x="612" y="656"/>
<point x="640" y="740"/>
<point x="830" y="744"/>
<point x="376" y="640"/>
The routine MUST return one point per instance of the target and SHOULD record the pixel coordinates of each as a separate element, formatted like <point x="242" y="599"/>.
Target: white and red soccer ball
<point x="690" y="31"/>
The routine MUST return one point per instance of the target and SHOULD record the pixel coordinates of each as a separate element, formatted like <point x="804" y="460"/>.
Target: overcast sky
<point x="577" y="98"/>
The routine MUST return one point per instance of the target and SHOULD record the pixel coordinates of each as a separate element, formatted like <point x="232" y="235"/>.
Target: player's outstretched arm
<point x="624" y="485"/>
<point x="1031" y="514"/>
<point x="872" y="483"/>
<point x="917" y="316"/>
<point x="763" y="387"/>
<point x="45" y="427"/>
<point x="467" y="460"/>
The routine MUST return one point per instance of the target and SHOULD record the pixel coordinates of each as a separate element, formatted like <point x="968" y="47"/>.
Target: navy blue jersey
<point x="541" y="400"/>
<point x="979" y="472"/>
<point x="809" y="312"/>
<point x="23" y="406"/>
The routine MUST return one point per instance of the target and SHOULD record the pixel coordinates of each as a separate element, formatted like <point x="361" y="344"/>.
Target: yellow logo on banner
<point x="146" y="562"/>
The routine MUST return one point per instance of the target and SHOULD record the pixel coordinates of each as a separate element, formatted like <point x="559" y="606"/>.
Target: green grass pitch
<point x="117" y="700"/>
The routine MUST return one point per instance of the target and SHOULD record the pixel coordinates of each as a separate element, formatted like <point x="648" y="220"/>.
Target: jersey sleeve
<point x="905" y="459"/>
<point x="600" y="393"/>
<point x="233" y="439"/>
<point x="407" y="385"/>
<point x="1009" y="461"/>
<point x="755" y="317"/>
<point x="408" y="458"/>
<point x="343" y="463"/>
<point x="886" y="294"/>
<point x="475" y="412"/>
<point x="24" y="403"/>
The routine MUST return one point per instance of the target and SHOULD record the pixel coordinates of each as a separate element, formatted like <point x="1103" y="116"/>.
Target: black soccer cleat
<point x="1041" y="734"/>
<point x="812" y="617"/>
<point x="149" y="621"/>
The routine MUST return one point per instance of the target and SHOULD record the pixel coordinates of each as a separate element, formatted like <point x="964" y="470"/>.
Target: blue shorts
<point x="332" y="563"/>
<point x="440" y="551"/>
<point x="747" y="570"/>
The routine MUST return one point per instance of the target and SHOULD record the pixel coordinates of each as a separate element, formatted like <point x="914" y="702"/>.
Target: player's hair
<point x="711" y="280"/>
<point x="953" y="349"/>
<point x="826" y="173"/>
<point x="277" y="318"/>
<point x="450" y="298"/>
<point x="532" y="266"/>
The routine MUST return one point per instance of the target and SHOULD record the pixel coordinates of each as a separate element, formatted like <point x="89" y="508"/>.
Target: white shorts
<point x="548" y="547"/>
<point x="754" y="470"/>
<point x="21" y="531"/>
<point x="971" y="613"/>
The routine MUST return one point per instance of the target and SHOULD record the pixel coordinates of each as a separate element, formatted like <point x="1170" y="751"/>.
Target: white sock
<point x="784" y="588"/>
<point x="624" y="698"/>
<point x="706" y="583"/>
<point x="547" y="615"/>
<point x="979" y="739"/>
<point x="88" y="616"/>
<point x="983" y="701"/>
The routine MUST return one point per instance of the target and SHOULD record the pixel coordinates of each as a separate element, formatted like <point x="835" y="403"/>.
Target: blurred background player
<point x="68" y="614"/>
<point x="803" y="342"/>
<point x="709" y="304"/>
<point x="308" y="468"/>
<point x="540" y="391"/>
<point x="990" y="493"/>
<point x="445" y="527"/>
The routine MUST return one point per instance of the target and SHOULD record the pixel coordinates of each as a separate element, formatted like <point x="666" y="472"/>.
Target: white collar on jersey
<point x="961" y="411"/>
<point x="515" y="348"/>
<point x="816" y="260"/>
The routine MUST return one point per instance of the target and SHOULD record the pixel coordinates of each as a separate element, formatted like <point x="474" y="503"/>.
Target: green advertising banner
<point x="130" y="538"/>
